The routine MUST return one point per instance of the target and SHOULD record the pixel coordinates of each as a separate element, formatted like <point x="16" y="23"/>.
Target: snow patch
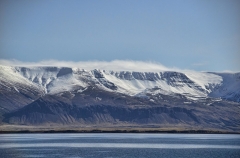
<point x="193" y="85"/>
<point x="16" y="89"/>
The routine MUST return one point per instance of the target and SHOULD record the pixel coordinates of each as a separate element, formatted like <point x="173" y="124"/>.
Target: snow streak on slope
<point x="134" y="83"/>
<point x="11" y="78"/>
<point x="230" y="87"/>
<point x="51" y="79"/>
<point x="191" y="84"/>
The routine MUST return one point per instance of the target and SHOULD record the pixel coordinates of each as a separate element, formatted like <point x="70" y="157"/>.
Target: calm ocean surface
<point x="120" y="145"/>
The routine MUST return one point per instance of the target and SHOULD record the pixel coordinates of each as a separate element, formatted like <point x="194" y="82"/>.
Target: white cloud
<point x="117" y="65"/>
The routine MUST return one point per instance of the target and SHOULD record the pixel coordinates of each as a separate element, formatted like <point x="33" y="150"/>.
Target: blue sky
<point x="200" y="35"/>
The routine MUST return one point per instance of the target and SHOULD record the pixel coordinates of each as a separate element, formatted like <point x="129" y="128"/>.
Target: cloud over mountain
<point x="117" y="65"/>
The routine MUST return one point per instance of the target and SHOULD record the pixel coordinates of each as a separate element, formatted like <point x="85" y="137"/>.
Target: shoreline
<point x="119" y="131"/>
<point x="10" y="129"/>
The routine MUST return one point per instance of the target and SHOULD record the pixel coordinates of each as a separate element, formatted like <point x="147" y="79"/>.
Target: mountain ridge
<point x="200" y="82"/>
<point x="96" y="96"/>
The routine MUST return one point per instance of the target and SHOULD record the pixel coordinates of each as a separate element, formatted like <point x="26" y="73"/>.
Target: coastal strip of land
<point x="5" y="129"/>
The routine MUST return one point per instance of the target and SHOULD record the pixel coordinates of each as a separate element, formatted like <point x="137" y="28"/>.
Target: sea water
<point x="120" y="145"/>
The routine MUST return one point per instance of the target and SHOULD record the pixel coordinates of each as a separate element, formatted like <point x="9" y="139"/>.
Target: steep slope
<point x="193" y="85"/>
<point x="54" y="80"/>
<point x="63" y="95"/>
<point x="124" y="111"/>
<point x="16" y="90"/>
<point x="229" y="88"/>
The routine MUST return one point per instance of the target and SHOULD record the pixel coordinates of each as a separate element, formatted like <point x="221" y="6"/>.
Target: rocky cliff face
<point x="61" y="95"/>
<point x="128" y="111"/>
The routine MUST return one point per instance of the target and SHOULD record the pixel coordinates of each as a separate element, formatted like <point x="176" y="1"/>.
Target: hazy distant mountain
<point x="64" y="95"/>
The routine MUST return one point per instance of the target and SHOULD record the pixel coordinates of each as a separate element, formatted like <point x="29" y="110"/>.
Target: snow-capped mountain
<point x="54" y="80"/>
<point x="30" y="95"/>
